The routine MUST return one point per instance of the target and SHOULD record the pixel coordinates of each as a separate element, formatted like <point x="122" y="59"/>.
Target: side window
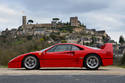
<point x="75" y="48"/>
<point x="51" y="49"/>
<point x="61" y="48"/>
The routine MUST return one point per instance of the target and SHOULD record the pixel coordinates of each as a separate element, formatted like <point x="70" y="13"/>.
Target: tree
<point x="63" y="41"/>
<point x="121" y="39"/>
<point x="55" y="19"/>
<point x="30" y="21"/>
<point x="93" y="40"/>
<point x="54" y="22"/>
<point x="123" y="59"/>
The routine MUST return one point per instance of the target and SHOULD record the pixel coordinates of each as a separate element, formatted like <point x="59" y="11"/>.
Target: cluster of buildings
<point x="80" y="33"/>
<point x="39" y="29"/>
<point x="46" y="28"/>
<point x="88" y="36"/>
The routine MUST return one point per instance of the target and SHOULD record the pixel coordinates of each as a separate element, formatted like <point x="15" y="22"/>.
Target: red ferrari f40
<point x="65" y="55"/>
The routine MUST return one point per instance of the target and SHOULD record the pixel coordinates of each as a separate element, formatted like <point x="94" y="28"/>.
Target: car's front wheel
<point x="31" y="62"/>
<point x="92" y="62"/>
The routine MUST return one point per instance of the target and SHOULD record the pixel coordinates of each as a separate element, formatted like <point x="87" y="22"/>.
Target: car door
<point x="59" y="56"/>
<point x="78" y="55"/>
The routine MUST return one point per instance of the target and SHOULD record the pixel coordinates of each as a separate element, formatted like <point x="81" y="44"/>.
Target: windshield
<point x="45" y="49"/>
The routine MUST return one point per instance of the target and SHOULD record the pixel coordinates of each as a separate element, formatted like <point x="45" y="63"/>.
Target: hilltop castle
<point x="73" y="22"/>
<point x="34" y="29"/>
<point x="73" y="31"/>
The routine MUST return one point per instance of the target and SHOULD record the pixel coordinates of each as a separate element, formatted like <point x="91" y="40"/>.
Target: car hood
<point x="20" y="57"/>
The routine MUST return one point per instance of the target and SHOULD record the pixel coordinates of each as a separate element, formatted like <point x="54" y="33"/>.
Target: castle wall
<point x="74" y="21"/>
<point x="24" y="20"/>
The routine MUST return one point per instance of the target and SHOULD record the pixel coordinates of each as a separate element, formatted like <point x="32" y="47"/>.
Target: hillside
<point x="33" y="37"/>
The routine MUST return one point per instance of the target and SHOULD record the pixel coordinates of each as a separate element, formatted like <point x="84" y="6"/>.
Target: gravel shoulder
<point x="64" y="71"/>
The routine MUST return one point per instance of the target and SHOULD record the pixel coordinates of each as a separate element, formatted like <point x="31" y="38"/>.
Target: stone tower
<point x="24" y="20"/>
<point x="74" y="21"/>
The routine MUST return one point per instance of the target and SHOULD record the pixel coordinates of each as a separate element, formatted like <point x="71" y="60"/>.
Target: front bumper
<point x="14" y="64"/>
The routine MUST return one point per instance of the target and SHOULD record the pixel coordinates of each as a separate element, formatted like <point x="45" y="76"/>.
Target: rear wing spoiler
<point x="107" y="46"/>
<point x="108" y="49"/>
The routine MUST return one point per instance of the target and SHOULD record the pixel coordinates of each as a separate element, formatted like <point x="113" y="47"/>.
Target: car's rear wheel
<point x="31" y="62"/>
<point x="92" y="62"/>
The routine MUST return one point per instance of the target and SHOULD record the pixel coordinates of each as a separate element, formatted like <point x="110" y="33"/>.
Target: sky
<point x="108" y="15"/>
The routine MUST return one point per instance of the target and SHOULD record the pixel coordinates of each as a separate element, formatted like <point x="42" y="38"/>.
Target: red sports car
<point x="65" y="55"/>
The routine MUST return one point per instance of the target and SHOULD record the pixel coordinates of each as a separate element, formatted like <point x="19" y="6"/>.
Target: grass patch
<point x="123" y="66"/>
<point x="3" y="66"/>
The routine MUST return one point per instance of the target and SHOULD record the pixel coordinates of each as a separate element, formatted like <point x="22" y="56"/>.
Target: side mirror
<point x="44" y="52"/>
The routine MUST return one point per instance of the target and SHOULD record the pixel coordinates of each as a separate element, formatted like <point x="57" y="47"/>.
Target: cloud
<point x="99" y="14"/>
<point x="101" y="20"/>
<point x="65" y="6"/>
<point x="61" y="6"/>
<point x="9" y="18"/>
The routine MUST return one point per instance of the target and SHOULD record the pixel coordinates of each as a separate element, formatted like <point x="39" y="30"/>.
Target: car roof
<point x="70" y="43"/>
<point x="67" y="43"/>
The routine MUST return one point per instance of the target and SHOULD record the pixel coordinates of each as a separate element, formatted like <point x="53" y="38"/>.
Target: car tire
<point x="92" y="62"/>
<point x="31" y="62"/>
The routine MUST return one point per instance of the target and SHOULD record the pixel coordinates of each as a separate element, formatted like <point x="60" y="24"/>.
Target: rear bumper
<point x="107" y="61"/>
<point x="14" y="65"/>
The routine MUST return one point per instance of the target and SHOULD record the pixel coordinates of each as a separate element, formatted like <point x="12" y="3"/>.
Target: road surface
<point x="63" y="75"/>
<point x="63" y="79"/>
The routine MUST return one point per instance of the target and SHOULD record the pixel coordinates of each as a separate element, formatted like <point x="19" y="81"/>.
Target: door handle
<point x="71" y="52"/>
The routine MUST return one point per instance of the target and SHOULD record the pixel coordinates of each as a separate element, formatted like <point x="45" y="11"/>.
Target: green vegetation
<point x="123" y="60"/>
<point x="56" y="19"/>
<point x="63" y="41"/>
<point x="3" y="66"/>
<point x="67" y="29"/>
<point x="121" y="40"/>
<point x="10" y="48"/>
<point x="123" y="66"/>
<point x="30" y="22"/>
<point x="119" y="61"/>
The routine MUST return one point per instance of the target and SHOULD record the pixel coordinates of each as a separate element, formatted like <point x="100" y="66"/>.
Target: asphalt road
<point x="63" y="79"/>
<point x="63" y="75"/>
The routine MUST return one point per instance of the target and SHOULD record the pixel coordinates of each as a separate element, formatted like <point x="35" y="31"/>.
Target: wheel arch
<point x="92" y="54"/>
<point x="22" y="65"/>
